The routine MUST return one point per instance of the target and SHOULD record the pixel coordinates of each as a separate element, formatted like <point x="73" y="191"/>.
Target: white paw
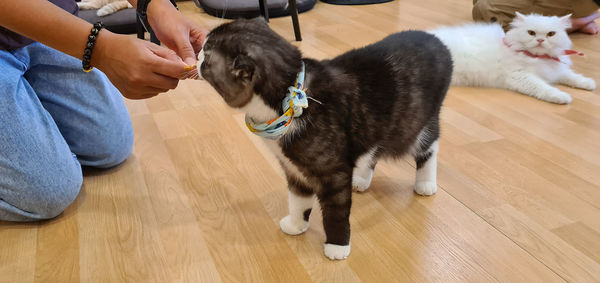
<point x="87" y="6"/>
<point x="334" y="252"/>
<point x="361" y="179"/>
<point x="425" y="188"/>
<point x="104" y="11"/>
<point x="558" y="97"/>
<point x="586" y="83"/>
<point x="293" y="227"/>
<point x="360" y="184"/>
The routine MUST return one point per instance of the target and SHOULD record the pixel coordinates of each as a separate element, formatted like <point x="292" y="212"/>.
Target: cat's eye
<point x="551" y="33"/>
<point x="530" y="32"/>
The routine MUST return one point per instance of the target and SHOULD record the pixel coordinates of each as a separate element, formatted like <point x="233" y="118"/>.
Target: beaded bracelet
<point x="89" y="47"/>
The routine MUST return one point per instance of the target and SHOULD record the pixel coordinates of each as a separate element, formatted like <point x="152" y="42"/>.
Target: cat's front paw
<point x="586" y="83"/>
<point x="104" y="11"/>
<point x="293" y="227"/>
<point x="334" y="252"/>
<point x="558" y="97"/>
<point x="426" y="188"/>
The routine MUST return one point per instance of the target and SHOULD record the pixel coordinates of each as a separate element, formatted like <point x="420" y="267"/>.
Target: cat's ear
<point x="243" y="68"/>
<point x="566" y="21"/>
<point x="520" y="17"/>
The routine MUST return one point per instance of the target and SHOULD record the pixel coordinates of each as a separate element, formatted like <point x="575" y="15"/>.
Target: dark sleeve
<point x="69" y="5"/>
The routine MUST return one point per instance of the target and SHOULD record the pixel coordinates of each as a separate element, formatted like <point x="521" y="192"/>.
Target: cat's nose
<point x="540" y="40"/>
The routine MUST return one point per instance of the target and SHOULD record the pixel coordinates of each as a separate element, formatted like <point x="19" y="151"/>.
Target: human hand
<point x="177" y="32"/>
<point x="138" y="68"/>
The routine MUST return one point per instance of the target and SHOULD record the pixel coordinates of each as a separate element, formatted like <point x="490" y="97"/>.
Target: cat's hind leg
<point x="534" y="86"/>
<point x="424" y="152"/>
<point x="300" y="202"/>
<point x="363" y="171"/>
<point x="575" y="80"/>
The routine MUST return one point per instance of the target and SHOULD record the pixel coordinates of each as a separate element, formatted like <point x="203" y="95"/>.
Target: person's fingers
<point x="164" y="64"/>
<point x="154" y="90"/>
<point x="166" y="53"/>
<point x="139" y="94"/>
<point x="145" y="92"/>
<point x="185" y="49"/>
<point x="197" y="37"/>
<point x="162" y="82"/>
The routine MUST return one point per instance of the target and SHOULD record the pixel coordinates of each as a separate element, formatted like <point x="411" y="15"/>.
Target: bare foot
<point x="579" y="23"/>
<point x="590" y="28"/>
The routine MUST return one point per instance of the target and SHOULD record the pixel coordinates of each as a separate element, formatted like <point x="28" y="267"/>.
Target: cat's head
<point x="245" y="58"/>
<point x="540" y="34"/>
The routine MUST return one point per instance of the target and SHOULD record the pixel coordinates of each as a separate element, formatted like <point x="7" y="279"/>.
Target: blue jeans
<point x="54" y="118"/>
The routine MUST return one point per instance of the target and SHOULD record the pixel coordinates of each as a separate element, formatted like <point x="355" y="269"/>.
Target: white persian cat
<point x="530" y="57"/>
<point x="105" y="7"/>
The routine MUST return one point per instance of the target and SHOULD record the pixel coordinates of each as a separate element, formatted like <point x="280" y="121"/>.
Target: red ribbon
<point x="545" y="56"/>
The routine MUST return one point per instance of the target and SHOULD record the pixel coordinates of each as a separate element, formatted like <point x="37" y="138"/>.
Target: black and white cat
<point x="530" y="57"/>
<point x="382" y="100"/>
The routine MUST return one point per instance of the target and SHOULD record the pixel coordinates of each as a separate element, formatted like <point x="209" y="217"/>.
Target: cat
<point x="382" y="100"/>
<point x="527" y="59"/>
<point x="105" y="7"/>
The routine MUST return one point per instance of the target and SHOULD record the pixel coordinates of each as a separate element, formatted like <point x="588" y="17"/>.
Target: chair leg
<point x="153" y="38"/>
<point x="294" y="12"/>
<point x="139" y="27"/>
<point x="264" y="9"/>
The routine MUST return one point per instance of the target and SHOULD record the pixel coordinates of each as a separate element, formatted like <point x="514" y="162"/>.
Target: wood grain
<point x="201" y="197"/>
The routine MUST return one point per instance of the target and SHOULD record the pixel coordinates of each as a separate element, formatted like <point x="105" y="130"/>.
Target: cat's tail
<point x="113" y="7"/>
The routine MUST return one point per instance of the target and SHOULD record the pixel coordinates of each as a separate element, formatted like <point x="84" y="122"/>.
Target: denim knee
<point x="48" y="192"/>
<point x="113" y="149"/>
<point x="107" y="144"/>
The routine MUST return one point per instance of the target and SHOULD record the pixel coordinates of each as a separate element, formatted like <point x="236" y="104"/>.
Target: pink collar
<point x="545" y="56"/>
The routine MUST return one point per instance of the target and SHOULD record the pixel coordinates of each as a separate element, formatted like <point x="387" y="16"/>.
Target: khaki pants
<point x="503" y="11"/>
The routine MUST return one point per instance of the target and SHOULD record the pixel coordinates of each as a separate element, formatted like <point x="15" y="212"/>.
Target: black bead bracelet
<point x="89" y="47"/>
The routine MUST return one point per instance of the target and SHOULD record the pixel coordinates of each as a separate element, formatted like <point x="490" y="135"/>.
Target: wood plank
<point x="174" y="213"/>
<point x="201" y="197"/>
<point x="562" y="258"/>
<point x="118" y="239"/>
<point x="583" y="238"/>
<point x="18" y="244"/>
<point x="57" y="249"/>
<point x="231" y="218"/>
<point x="460" y="225"/>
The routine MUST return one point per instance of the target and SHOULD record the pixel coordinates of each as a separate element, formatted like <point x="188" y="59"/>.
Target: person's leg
<point x="497" y="11"/>
<point x="585" y="24"/>
<point x="87" y="108"/>
<point x="39" y="176"/>
<point x="585" y="12"/>
<point x="590" y="28"/>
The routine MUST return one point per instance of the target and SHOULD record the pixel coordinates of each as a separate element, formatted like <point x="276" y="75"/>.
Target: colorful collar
<point x="293" y="103"/>
<point x="545" y="56"/>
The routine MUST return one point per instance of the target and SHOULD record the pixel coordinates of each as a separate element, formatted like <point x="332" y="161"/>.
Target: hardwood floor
<point x="201" y="197"/>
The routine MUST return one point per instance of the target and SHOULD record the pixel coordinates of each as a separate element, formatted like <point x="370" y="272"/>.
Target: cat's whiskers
<point x="224" y="11"/>
<point x="314" y="100"/>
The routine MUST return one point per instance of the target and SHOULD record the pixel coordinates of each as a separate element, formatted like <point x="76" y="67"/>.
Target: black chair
<point x="142" y="25"/>
<point x="233" y="9"/>
<point x="122" y="22"/>
<point x="264" y="11"/>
